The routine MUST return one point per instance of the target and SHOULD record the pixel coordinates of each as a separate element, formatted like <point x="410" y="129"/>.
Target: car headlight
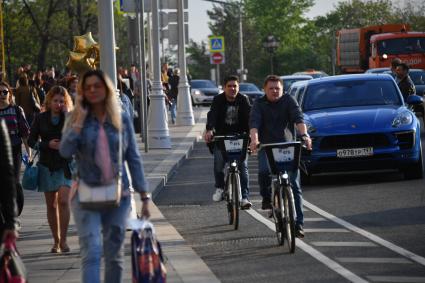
<point x="404" y="118"/>
<point x="197" y="92"/>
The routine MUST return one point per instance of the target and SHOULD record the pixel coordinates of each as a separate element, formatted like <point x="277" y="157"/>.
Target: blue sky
<point x="198" y="18"/>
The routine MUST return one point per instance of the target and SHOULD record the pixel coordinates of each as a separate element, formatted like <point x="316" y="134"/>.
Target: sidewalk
<point x="183" y="264"/>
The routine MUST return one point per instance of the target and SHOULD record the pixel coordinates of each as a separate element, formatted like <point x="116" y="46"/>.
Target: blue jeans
<point x="97" y="229"/>
<point x="264" y="181"/>
<point x="219" y="172"/>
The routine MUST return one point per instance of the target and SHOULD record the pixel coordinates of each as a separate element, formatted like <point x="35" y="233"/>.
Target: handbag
<point x="12" y="269"/>
<point x="147" y="260"/>
<point x="102" y="196"/>
<point x="30" y="177"/>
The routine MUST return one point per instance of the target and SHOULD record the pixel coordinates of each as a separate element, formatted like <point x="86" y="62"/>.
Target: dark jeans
<point x="219" y="172"/>
<point x="264" y="180"/>
<point x="17" y="160"/>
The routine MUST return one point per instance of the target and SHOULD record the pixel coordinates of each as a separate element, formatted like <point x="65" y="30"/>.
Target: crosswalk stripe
<point x="343" y="244"/>
<point x="367" y="234"/>
<point x="312" y="251"/>
<point x="314" y="219"/>
<point x="326" y="230"/>
<point x="373" y="260"/>
<point x="397" y="279"/>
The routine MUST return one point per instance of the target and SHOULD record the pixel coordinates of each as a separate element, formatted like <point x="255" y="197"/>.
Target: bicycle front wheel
<point x="235" y="194"/>
<point x="278" y="215"/>
<point x="228" y="198"/>
<point x="289" y="217"/>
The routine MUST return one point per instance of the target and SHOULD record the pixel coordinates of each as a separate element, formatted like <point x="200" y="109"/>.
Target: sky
<point x="198" y="18"/>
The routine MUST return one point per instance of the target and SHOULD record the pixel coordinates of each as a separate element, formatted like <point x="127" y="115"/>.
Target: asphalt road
<point x="359" y="228"/>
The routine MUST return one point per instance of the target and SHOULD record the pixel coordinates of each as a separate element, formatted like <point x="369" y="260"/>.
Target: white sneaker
<point x="245" y="204"/>
<point x="218" y="195"/>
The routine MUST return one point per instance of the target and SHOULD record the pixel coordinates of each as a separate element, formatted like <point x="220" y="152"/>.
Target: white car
<point x="203" y="91"/>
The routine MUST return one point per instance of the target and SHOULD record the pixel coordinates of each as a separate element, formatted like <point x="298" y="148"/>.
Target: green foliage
<point x="40" y="32"/>
<point x="198" y="61"/>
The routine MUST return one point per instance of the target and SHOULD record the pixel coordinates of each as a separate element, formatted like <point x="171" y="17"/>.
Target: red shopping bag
<point x="12" y="269"/>
<point x="147" y="261"/>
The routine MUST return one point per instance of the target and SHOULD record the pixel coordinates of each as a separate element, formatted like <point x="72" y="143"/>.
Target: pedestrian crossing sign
<point x="216" y="43"/>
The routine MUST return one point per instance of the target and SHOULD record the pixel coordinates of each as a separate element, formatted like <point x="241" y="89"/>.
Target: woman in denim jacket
<point x="91" y="134"/>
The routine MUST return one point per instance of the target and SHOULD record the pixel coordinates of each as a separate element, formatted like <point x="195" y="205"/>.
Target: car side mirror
<point x="414" y="100"/>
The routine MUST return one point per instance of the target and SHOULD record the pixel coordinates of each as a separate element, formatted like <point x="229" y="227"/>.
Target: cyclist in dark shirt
<point x="229" y="114"/>
<point x="272" y="121"/>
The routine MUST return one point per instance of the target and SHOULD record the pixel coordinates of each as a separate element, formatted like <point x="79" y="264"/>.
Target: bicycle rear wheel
<point x="235" y="195"/>
<point x="289" y="219"/>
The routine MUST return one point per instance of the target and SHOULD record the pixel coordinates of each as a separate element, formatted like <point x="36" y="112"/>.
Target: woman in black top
<point x="54" y="175"/>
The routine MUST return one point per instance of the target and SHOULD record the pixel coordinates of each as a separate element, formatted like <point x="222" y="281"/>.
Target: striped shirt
<point x="16" y="124"/>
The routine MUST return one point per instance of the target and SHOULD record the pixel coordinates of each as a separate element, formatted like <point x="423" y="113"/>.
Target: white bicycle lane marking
<point x="311" y="251"/>
<point x="364" y="233"/>
<point x="332" y="264"/>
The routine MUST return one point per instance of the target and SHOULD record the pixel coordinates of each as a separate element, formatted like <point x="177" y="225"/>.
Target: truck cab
<point x="408" y="46"/>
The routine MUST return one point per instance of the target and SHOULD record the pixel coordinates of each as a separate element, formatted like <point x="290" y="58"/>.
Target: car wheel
<point x="416" y="170"/>
<point x="193" y="101"/>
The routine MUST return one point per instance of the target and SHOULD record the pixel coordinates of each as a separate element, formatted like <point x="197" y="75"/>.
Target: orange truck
<point x="375" y="46"/>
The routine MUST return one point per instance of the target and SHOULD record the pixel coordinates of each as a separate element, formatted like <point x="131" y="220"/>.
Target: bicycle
<point x="282" y="158"/>
<point x="233" y="149"/>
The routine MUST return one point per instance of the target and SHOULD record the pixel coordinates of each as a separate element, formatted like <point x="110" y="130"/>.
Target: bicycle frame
<point x="283" y="158"/>
<point x="233" y="149"/>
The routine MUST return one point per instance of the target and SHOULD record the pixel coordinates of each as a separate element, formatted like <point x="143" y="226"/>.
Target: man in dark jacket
<point x="8" y="207"/>
<point x="405" y="83"/>
<point x="272" y="121"/>
<point x="229" y="114"/>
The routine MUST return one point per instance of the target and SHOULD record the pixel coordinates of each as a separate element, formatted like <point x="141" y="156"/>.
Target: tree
<point x="198" y="60"/>
<point x="40" y="32"/>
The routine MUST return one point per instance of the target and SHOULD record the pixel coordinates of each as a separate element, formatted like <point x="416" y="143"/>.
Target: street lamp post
<point x="271" y="44"/>
<point x="107" y="39"/>
<point x="184" y="103"/>
<point x="158" y="133"/>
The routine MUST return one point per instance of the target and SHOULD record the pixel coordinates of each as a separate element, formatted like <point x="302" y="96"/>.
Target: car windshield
<point x="202" y="84"/>
<point x="418" y="77"/>
<point x="350" y="93"/>
<point x="401" y="45"/>
<point x="248" y="87"/>
<point x="379" y="70"/>
<point x="288" y="82"/>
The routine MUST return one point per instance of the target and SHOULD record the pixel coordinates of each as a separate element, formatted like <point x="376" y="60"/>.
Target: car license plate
<point x="354" y="152"/>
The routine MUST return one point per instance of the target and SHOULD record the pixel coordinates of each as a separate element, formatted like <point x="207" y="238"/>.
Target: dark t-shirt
<point x="231" y="121"/>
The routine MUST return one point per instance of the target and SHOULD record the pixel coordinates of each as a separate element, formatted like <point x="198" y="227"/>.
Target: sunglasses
<point x="4" y="92"/>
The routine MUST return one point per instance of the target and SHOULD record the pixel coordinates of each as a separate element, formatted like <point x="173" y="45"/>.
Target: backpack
<point x="147" y="261"/>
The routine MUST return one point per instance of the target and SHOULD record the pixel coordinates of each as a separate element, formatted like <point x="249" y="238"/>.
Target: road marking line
<point x="314" y="219"/>
<point x="370" y="236"/>
<point x="343" y="244"/>
<point x="373" y="260"/>
<point x="326" y="230"/>
<point x="397" y="279"/>
<point x="312" y="251"/>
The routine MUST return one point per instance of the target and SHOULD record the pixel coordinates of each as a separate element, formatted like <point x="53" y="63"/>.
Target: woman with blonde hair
<point x="92" y="135"/>
<point x="54" y="173"/>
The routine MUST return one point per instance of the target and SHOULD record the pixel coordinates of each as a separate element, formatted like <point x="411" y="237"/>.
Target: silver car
<point x="203" y="92"/>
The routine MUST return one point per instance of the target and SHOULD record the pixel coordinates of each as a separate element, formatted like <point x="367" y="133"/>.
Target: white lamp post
<point x="184" y="103"/>
<point x="107" y="39"/>
<point x="158" y="133"/>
